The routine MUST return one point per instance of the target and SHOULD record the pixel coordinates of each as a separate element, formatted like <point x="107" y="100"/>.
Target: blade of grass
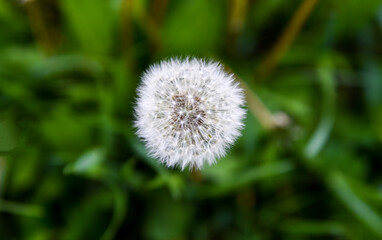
<point x="28" y="210"/>
<point x="342" y="190"/>
<point x="238" y="11"/>
<point x="321" y="134"/>
<point x="46" y="35"/>
<point x="286" y="39"/>
<point x="120" y="202"/>
<point x="3" y="165"/>
<point x="246" y="177"/>
<point x="313" y="227"/>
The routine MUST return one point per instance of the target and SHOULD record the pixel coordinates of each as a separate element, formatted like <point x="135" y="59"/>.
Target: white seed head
<point x="188" y="112"/>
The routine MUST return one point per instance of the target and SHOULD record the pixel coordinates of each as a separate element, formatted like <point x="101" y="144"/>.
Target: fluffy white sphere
<point x="188" y="112"/>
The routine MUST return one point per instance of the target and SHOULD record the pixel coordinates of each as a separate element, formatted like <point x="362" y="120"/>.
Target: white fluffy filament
<point x="188" y="112"/>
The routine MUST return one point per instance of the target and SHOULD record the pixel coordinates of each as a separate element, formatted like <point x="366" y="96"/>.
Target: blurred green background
<point x="309" y="163"/>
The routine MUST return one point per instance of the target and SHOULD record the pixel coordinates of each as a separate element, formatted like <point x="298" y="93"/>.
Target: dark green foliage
<point x="72" y="168"/>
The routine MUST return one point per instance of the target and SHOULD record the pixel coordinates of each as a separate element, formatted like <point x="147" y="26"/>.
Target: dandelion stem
<point x="258" y="109"/>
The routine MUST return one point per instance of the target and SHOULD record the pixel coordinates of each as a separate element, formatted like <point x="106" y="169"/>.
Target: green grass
<point x="72" y="168"/>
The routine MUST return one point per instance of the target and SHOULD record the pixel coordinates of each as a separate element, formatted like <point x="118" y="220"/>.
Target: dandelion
<point x="188" y="112"/>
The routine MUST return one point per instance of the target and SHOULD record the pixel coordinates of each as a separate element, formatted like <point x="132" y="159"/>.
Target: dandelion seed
<point x="203" y="105"/>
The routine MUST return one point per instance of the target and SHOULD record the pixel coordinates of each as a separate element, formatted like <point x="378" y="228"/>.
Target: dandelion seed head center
<point x="187" y="113"/>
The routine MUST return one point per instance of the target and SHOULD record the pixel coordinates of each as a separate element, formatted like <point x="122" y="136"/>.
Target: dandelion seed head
<point x="188" y="112"/>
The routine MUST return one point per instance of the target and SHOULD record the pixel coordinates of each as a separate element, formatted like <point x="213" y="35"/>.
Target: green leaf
<point x="191" y="28"/>
<point x="91" y="22"/>
<point x="167" y="219"/>
<point x="313" y="227"/>
<point x="88" y="164"/>
<point x="7" y="136"/>
<point x="321" y="134"/>
<point x="27" y="210"/>
<point x="120" y="205"/>
<point x="343" y="191"/>
<point x="233" y="181"/>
